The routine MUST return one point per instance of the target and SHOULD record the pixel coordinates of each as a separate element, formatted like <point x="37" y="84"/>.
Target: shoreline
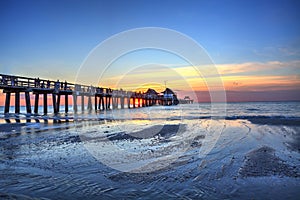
<point x="244" y="155"/>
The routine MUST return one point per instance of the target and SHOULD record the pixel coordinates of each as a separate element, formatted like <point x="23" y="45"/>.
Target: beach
<point x="184" y="151"/>
<point x="149" y="100"/>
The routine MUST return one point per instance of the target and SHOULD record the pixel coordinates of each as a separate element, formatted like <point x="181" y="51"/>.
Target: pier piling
<point x="45" y="103"/>
<point x="104" y="98"/>
<point x="66" y="104"/>
<point x="54" y="104"/>
<point x="75" y="103"/>
<point x="36" y="103"/>
<point x="17" y="102"/>
<point x="7" y="102"/>
<point x="28" y="104"/>
<point x="58" y="103"/>
<point x="82" y="103"/>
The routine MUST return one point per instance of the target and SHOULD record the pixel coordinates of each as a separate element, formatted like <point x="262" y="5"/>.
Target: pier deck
<point x="104" y="98"/>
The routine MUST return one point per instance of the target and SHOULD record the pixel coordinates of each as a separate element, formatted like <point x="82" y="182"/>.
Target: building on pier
<point x="169" y="97"/>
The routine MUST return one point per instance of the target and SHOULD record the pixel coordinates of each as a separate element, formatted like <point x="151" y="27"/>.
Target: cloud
<point x="288" y="51"/>
<point x="259" y="83"/>
<point x="257" y="68"/>
<point x="250" y="76"/>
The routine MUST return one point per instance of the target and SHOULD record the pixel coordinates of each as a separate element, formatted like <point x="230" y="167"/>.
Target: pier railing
<point x="104" y="98"/>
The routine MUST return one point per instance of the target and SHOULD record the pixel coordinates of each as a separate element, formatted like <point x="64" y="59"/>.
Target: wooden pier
<point x="104" y="98"/>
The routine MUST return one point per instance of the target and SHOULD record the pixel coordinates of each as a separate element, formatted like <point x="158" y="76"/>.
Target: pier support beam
<point x="105" y="103"/>
<point x="36" y="103"/>
<point x="82" y="103"/>
<point x="108" y="103"/>
<point x="102" y="99"/>
<point x="133" y="103"/>
<point x="89" y="103"/>
<point x="45" y="104"/>
<point x="128" y="102"/>
<point x="122" y="102"/>
<point x="143" y="102"/>
<point x="96" y="103"/>
<point x="28" y="104"/>
<point x="99" y="103"/>
<point x="66" y="104"/>
<point x="17" y="102"/>
<point x="54" y="104"/>
<point x="58" y="103"/>
<point x="139" y="102"/>
<point x="75" y="103"/>
<point x="114" y="102"/>
<point x="7" y="102"/>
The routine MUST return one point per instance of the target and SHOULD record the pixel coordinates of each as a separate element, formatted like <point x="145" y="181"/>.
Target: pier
<point x="186" y="100"/>
<point x="98" y="98"/>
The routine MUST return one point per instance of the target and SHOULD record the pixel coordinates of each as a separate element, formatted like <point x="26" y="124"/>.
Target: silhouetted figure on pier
<point x="4" y="80"/>
<point x="38" y="82"/>
<point x="56" y="86"/>
<point x="48" y="84"/>
<point x="43" y="85"/>
<point x="66" y="85"/>
<point x="99" y="90"/>
<point x="13" y="81"/>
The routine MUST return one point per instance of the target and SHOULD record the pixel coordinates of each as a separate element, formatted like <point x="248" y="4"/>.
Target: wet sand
<point x="276" y="121"/>
<point x="165" y="131"/>
<point x="248" y="160"/>
<point x="264" y="162"/>
<point x="16" y="127"/>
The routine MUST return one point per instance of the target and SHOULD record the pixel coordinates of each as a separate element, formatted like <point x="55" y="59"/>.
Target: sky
<point x="255" y="45"/>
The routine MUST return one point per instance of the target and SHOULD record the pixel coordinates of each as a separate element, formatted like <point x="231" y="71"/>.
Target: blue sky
<point x="52" y="38"/>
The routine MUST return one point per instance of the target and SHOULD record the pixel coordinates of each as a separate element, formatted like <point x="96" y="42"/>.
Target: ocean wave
<point x="255" y="119"/>
<point x="269" y="120"/>
<point x="252" y="109"/>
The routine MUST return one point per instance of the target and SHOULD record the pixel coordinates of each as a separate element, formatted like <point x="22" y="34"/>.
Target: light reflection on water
<point x="51" y="159"/>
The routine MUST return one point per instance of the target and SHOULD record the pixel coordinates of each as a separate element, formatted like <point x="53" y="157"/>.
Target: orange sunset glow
<point x="238" y="80"/>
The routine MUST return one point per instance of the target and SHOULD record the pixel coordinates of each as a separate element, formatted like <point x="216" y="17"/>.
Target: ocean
<point x="190" y="151"/>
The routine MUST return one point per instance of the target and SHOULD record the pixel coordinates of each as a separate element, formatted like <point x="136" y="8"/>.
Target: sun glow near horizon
<point x="268" y="76"/>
